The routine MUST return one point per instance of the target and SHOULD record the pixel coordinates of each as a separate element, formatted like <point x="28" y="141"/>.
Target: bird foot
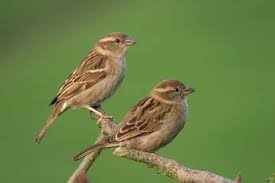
<point x="102" y="118"/>
<point x="106" y="117"/>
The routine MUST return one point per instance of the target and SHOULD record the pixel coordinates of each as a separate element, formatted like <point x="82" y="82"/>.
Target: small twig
<point x="271" y="179"/>
<point x="166" y="166"/>
<point x="82" y="178"/>
<point x="238" y="179"/>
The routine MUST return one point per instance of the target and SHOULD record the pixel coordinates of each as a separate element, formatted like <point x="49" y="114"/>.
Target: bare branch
<point x="166" y="166"/>
<point x="170" y="167"/>
<point x="82" y="178"/>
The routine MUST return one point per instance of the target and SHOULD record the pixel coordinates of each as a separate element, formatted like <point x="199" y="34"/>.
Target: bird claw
<point x="102" y="118"/>
<point x="106" y="117"/>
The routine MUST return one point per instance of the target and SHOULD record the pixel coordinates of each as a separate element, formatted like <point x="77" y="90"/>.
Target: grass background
<point x="224" y="49"/>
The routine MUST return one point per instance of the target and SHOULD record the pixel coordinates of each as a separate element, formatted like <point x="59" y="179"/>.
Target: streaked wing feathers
<point x="89" y="72"/>
<point x="145" y="117"/>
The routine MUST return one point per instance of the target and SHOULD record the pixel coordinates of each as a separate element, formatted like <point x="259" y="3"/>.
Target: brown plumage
<point x="151" y="123"/>
<point x="95" y="79"/>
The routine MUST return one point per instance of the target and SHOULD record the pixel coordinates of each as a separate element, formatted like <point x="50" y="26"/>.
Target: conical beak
<point x="187" y="91"/>
<point x="129" y="41"/>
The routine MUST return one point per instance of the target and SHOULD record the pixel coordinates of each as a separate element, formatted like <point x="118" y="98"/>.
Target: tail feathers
<point x="89" y="150"/>
<point x="55" y="113"/>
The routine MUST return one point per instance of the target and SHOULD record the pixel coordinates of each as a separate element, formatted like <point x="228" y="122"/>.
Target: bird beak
<point x="187" y="91"/>
<point x="129" y="42"/>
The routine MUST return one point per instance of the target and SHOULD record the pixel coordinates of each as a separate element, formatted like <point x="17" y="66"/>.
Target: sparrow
<point x="152" y="123"/>
<point x="95" y="79"/>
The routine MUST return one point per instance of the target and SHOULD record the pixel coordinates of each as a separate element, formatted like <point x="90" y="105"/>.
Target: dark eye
<point x="117" y="40"/>
<point x="176" y="89"/>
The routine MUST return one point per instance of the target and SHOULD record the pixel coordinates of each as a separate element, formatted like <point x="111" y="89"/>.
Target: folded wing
<point x="90" y="71"/>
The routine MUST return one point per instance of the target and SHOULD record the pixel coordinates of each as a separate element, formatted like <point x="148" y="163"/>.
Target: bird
<point x="95" y="79"/>
<point x="152" y="123"/>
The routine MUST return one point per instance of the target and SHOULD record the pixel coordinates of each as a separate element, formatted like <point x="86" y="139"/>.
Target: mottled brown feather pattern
<point x="95" y="79"/>
<point x="81" y="79"/>
<point x="140" y="124"/>
<point x="152" y="123"/>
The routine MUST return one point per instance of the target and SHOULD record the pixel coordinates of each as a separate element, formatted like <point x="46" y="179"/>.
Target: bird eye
<point x="176" y="89"/>
<point x="117" y="40"/>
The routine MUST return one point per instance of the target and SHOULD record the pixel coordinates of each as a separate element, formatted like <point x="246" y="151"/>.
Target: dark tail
<point x="89" y="150"/>
<point x="57" y="110"/>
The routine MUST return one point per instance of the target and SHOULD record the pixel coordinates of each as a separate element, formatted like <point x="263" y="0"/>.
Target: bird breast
<point x="170" y="128"/>
<point x="116" y="73"/>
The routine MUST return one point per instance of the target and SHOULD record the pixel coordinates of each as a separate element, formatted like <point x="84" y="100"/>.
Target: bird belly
<point x="100" y="91"/>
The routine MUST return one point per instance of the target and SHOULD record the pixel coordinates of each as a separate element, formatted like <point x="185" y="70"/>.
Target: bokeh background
<point x="224" y="49"/>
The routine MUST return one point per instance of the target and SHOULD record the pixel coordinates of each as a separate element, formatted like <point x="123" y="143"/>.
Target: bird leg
<point x="98" y="112"/>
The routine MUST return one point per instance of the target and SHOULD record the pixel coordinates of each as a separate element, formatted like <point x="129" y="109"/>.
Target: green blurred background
<point x="224" y="49"/>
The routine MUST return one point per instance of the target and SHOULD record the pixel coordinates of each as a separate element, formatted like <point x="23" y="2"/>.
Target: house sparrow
<point x="152" y="123"/>
<point x="95" y="79"/>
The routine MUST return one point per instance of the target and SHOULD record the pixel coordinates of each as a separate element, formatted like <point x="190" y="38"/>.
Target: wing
<point x="89" y="72"/>
<point x="145" y="117"/>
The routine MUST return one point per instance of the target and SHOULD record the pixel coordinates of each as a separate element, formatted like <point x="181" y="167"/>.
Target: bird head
<point x="114" y="44"/>
<point x="171" y="90"/>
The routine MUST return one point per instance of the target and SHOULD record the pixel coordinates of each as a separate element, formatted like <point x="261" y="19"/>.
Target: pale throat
<point x="185" y="104"/>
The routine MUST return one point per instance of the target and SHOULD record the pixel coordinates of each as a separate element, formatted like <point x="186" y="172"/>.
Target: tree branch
<point x="170" y="167"/>
<point x="106" y="128"/>
<point x="166" y="166"/>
